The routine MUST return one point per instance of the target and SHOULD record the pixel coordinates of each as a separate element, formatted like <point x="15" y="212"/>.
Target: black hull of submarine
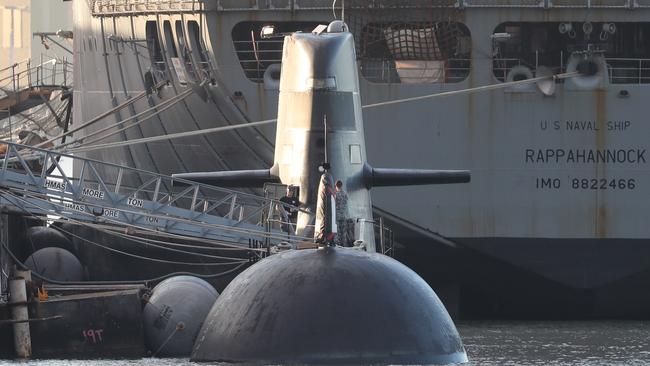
<point x="329" y="306"/>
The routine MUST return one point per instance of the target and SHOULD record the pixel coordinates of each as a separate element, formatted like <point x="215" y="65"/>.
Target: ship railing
<point x="502" y="66"/>
<point x="256" y="57"/>
<point x="292" y="5"/>
<point x="384" y="235"/>
<point x="282" y="223"/>
<point x="296" y="5"/>
<point x="117" y="7"/>
<point x="120" y="7"/>
<point x="276" y="216"/>
<point x="384" y="238"/>
<point x="621" y="70"/>
<point x="255" y="70"/>
<point x="8" y="78"/>
<point x="34" y="180"/>
<point x="23" y="75"/>
<point x="628" y="70"/>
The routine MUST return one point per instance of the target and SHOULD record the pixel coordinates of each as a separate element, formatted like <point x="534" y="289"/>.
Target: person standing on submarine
<point x="290" y="207"/>
<point x="341" y="200"/>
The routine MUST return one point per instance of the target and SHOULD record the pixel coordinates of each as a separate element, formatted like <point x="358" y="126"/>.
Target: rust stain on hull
<point x="601" y="121"/>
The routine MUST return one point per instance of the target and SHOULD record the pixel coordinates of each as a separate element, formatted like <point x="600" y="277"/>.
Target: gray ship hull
<point x="559" y="182"/>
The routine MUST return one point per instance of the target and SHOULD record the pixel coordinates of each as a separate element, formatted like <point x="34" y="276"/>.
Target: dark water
<point x="507" y="343"/>
<point x="557" y="343"/>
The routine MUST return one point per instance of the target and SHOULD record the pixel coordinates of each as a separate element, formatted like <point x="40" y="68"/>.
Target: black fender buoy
<point x="43" y="237"/>
<point x="56" y="264"/>
<point x="174" y="314"/>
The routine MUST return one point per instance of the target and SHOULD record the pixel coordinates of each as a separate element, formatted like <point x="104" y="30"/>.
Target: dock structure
<point x="101" y="323"/>
<point x="71" y="321"/>
<point x="91" y="321"/>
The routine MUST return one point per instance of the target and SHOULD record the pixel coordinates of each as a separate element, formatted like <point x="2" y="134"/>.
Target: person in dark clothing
<point x="341" y="200"/>
<point x="290" y="206"/>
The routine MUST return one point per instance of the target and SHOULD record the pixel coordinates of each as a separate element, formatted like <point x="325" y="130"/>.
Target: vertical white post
<point x="22" y="339"/>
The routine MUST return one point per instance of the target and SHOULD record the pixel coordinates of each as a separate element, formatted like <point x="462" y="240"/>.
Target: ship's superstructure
<point x="556" y="205"/>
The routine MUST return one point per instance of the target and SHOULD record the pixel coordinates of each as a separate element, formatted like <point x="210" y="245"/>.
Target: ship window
<point x="256" y="54"/>
<point x="198" y="47"/>
<point x="12" y="17"/>
<point x="533" y="45"/>
<point x="415" y="52"/>
<point x="153" y="44"/>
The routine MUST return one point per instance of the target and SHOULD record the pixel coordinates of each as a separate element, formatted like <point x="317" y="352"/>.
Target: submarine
<point x="330" y="305"/>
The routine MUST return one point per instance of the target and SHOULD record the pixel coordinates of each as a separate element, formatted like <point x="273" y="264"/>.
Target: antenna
<point x="325" y="123"/>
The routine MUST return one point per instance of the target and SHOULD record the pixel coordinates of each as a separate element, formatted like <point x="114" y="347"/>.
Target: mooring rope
<point x="133" y="282"/>
<point x="179" y="327"/>
<point x="206" y="131"/>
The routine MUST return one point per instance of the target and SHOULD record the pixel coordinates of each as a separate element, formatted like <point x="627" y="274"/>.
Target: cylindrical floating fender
<point x="174" y="314"/>
<point x="39" y="237"/>
<point x="272" y="77"/>
<point x="56" y="264"/>
<point x="518" y="73"/>
<point x="592" y="69"/>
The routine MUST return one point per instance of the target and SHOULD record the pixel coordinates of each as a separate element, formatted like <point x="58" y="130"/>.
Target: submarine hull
<point x="329" y="306"/>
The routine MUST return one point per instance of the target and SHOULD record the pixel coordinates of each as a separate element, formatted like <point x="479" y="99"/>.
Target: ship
<point x="552" y="224"/>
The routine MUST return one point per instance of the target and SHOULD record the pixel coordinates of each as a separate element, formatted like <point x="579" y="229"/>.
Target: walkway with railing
<point x="33" y="180"/>
<point x="620" y="70"/>
<point x="24" y="85"/>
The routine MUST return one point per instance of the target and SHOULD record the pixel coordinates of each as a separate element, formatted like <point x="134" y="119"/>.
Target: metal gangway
<point x="34" y="181"/>
<point x="24" y="85"/>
